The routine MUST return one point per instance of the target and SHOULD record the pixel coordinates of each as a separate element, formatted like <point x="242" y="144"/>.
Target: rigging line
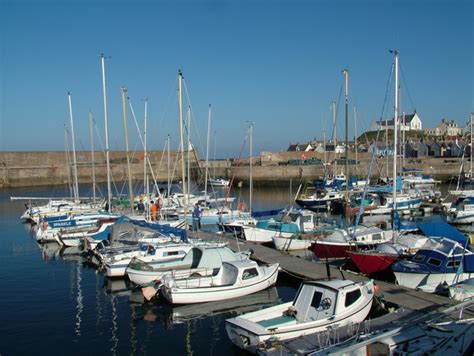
<point x="244" y="143"/>
<point x="335" y="114"/>
<point x="364" y="194"/>
<point x="192" y="115"/>
<point x="406" y="87"/>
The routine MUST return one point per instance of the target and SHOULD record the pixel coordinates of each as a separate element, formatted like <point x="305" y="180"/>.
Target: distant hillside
<point x="369" y="136"/>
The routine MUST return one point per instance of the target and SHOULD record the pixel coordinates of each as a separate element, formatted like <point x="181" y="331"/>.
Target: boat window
<point x="196" y="257"/>
<point x="376" y="237"/>
<point x="171" y="253"/>
<point x="352" y="297"/>
<point x="434" y="261"/>
<point x="418" y="258"/>
<point x="249" y="273"/>
<point x="452" y="264"/>
<point x="458" y="251"/>
<point x="316" y="299"/>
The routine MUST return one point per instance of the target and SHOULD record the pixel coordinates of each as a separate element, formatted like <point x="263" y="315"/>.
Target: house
<point x="434" y="149"/>
<point x="300" y="148"/>
<point x="456" y="150"/>
<point x="445" y="128"/>
<point x="405" y="123"/>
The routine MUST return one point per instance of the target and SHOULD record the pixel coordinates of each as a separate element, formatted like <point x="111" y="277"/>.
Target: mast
<point x="325" y="154"/>
<point x="403" y="139"/>
<point x="92" y="156"/>
<point x="346" y="143"/>
<point x="334" y="138"/>
<point x="188" y="159"/>
<point x="66" y="153"/>
<point x="250" y="169"/>
<point x="169" y="166"/>
<point x="145" y="154"/>
<point x="123" y="90"/>
<point x="181" y="133"/>
<point x="74" y="162"/>
<point x="107" y="153"/>
<point x="207" y="152"/>
<point x="355" y="139"/>
<point x="395" y="134"/>
<point x="470" y="171"/>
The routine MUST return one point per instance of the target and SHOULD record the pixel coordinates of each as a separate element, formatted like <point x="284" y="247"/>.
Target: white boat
<point x="462" y="291"/>
<point x="199" y="261"/>
<point x="75" y="238"/>
<point x="285" y="225"/>
<point x="218" y="182"/>
<point x="293" y="243"/>
<point x="116" y="265"/>
<point x="235" y="279"/>
<point x="461" y="211"/>
<point x="316" y="307"/>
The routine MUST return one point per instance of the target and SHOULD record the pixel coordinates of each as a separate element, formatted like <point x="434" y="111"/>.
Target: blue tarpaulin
<point x="259" y="214"/>
<point x="162" y="228"/>
<point x="443" y="230"/>
<point x="469" y="263"/>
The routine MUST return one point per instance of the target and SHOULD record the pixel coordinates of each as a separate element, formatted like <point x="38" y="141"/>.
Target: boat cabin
<point x="321" y="300"/>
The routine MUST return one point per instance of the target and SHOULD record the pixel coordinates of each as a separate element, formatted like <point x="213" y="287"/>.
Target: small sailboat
<point x="235" y="279"/>
<point x="316" y="307"/>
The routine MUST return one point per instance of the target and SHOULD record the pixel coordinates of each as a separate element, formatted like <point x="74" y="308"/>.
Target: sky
<point x="276" y="63"/>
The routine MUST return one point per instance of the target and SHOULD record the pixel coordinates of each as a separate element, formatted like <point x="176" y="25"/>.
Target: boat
<point x="440" y="263"/>
<point x="413" y="333"/>
<point x="72" y="237"/>
<point x="337" y="243"/>
<point x="218" y="182"/>
<point x="295" y="242"/>
<point x="317" y="306"/>
<point x="235" y="279"/>
<point x="199" y="261"/>
<point x="318" y="200"/>
<point x="153" y="254"/>
<point x="285" y="225"/>
<point x="461" y="210"/>
<point x="462" y="291"/>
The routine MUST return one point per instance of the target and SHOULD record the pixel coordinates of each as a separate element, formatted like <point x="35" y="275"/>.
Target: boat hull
<point x="249" y="340"/>
<point x="217" y="293"/>
<point x="430" y="283"/>
<point x="372" y="262"/>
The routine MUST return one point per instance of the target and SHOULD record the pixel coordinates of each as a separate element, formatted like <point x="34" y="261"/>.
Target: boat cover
<point x="259" y="214"/>
<point x="443" y="230"/>
<point x="469" y="263"/>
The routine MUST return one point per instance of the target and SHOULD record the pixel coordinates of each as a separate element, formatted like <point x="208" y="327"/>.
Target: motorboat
<point x="234" y="279"/>
<point x="318" y="305"/>
<point x="199" y="261"/>
<point x="440" y="263"/>
<point x="337" y="243"/>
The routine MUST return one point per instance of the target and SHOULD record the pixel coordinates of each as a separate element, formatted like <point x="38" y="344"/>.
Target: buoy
<point x="376" y="289"/>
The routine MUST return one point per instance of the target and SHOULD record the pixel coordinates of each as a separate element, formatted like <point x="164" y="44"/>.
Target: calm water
<point x="52" y="303"/>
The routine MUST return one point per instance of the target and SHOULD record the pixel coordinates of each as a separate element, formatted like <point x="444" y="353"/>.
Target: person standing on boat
<point x="196" y="218"/>
<point x="153" y="210"/>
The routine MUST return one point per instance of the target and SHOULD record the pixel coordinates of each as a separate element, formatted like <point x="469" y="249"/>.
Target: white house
<point x="410" y="122"/>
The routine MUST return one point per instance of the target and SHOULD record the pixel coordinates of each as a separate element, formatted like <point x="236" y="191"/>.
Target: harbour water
<point x="52" y="303"/>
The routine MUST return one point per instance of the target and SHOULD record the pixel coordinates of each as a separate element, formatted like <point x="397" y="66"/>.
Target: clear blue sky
<point x="278" y="63"/>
